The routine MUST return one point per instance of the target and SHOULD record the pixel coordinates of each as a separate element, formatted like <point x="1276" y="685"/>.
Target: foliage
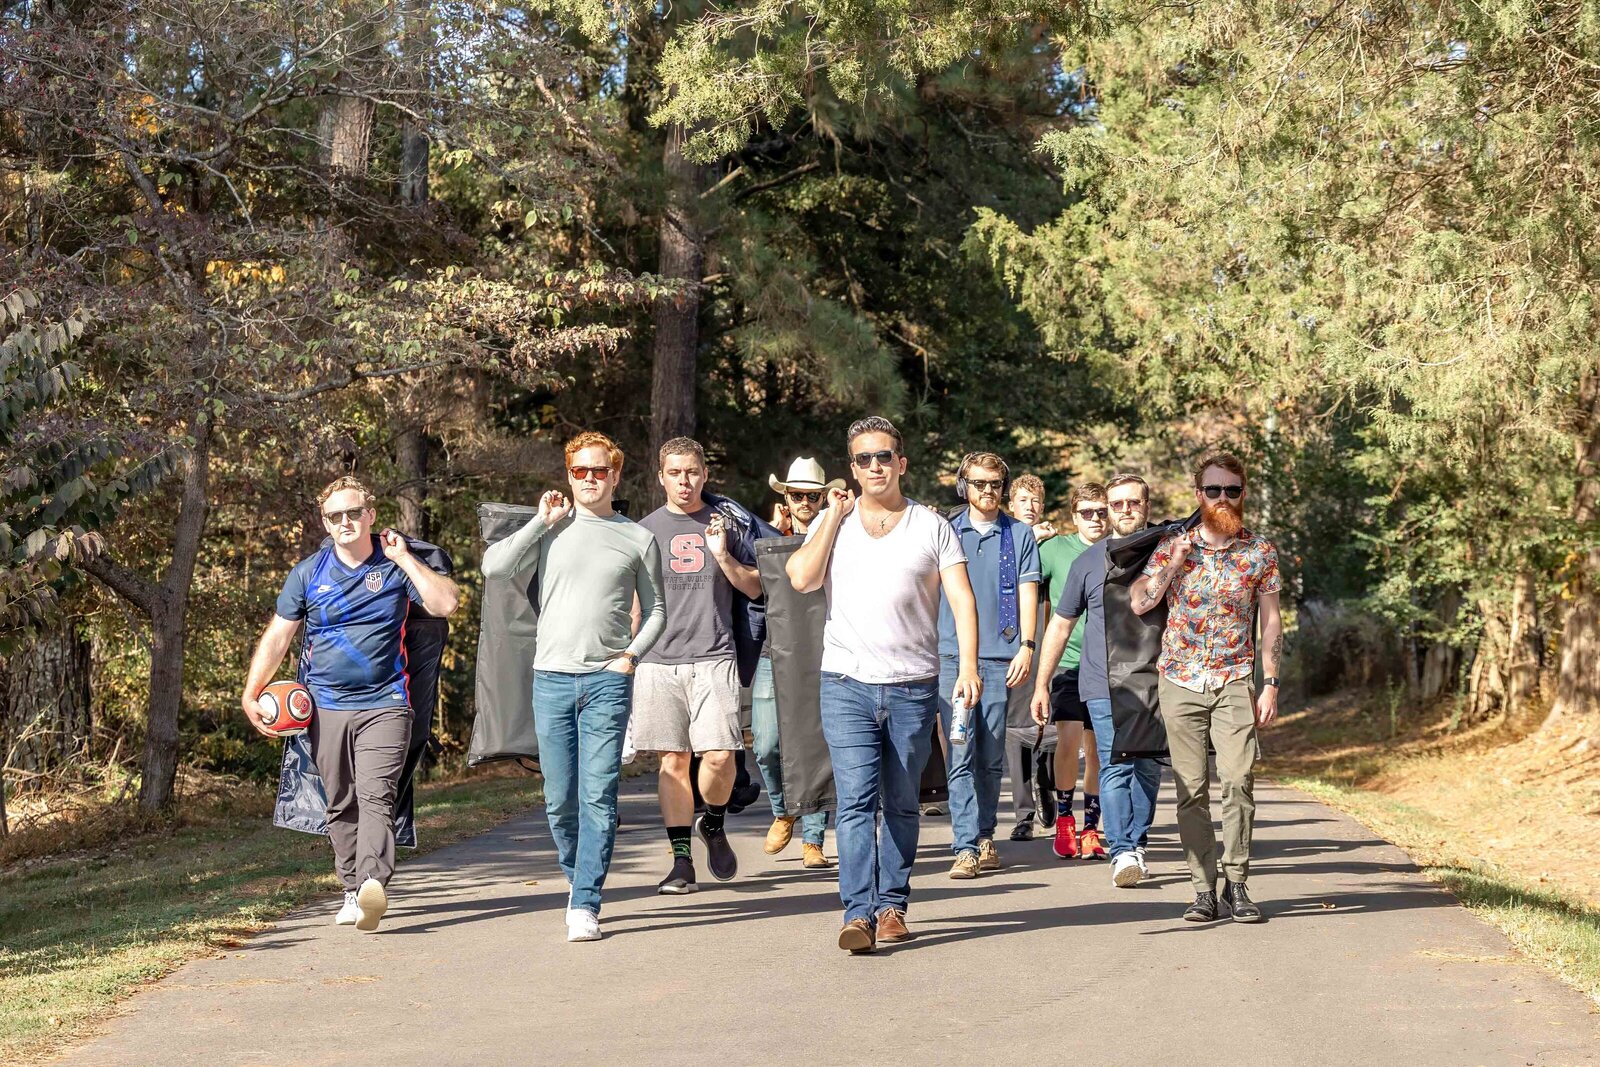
<point x="63" y="471"/>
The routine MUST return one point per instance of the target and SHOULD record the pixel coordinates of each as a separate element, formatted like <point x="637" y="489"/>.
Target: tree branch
<point x="128" y="584"/>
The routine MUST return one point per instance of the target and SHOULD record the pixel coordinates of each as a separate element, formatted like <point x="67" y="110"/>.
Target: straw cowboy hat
<point x="804" y="473"/>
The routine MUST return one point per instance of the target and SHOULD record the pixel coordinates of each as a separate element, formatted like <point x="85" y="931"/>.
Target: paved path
<point x="1363" y="961"/>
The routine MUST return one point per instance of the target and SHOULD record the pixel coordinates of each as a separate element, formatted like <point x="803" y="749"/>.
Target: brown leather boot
<point x="857" y="937"/>
<point x="778" y="835"/>
<point x="892" y="926"/>
<point x="815" y="859"/>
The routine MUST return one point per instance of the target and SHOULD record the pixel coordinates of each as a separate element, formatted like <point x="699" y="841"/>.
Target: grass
<point x="1363" y="757"/>
<point x="80" y="931"/>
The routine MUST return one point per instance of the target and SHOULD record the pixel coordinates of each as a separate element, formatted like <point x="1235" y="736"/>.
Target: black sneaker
<point x="1244" y="909"/>
<point x="1023" y="831"/>
<point x="1203" y="910"/>
<point x="680" y="879"/>
<point x="743" y="798"/>
<point x="720" y="858"/>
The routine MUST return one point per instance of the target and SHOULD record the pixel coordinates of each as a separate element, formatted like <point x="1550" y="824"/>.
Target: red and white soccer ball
<point x="286" y="708"/>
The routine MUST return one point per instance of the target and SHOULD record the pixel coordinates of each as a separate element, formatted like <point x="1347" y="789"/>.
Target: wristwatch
<point x="1269" y="681"/>
<point x="631" y="657"/>
<point x="1029" y="644"/>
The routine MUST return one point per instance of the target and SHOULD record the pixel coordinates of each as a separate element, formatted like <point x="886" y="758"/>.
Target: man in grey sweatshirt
<point x="590" y="564"/>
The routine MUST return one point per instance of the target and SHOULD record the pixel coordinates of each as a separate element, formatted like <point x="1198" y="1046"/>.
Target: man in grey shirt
<point x="687" y="696"/>
<point x="591" y="564"/>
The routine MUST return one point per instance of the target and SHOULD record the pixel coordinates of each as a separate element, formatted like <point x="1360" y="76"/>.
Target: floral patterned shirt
<point x="1210" y="635"/>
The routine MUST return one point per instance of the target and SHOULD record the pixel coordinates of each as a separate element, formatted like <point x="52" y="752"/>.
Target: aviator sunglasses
<point x="1212" y="492"/>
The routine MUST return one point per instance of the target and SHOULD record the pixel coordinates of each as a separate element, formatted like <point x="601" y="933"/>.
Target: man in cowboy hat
<point x="804" y="496"/>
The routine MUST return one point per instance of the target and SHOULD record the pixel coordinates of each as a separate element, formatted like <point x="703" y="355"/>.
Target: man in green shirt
<point x="1090" y="515"/>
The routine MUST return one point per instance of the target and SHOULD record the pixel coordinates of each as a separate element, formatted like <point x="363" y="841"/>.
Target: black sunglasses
<point x="347" y="515"/>
<point x="864" y="459"/>
<point x="1091" y="514"/>
<point x="1212" y="492"/>
<point x="810" y="498"/>
<point x="985" y="484"/>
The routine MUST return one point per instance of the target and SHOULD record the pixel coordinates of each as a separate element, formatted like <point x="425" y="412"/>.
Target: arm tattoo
<point x="1158" y="585"/>
<point x="1276" y="655"/>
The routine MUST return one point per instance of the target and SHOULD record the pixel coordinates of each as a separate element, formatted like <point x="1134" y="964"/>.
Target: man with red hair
<point x="590" y="564"/>
<point x="1216" y="577"/>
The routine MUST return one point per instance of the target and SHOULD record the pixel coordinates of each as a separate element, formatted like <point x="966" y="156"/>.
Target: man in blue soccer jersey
<point x="353" y="597"/>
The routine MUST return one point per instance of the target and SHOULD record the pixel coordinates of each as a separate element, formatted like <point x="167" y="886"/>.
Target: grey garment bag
<point x="502" y="725"/>
<point x="1133" y="644"/>
<point x="794" y="641"/>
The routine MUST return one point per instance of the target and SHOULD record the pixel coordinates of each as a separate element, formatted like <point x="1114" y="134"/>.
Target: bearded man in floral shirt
<point x="1215" y="578"/>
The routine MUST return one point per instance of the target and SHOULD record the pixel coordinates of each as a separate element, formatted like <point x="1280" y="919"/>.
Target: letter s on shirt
<point x="688" y="554"/>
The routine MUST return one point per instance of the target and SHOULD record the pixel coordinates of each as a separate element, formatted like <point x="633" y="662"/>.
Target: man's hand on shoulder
<point x="841" y="502"/>
<point x="394" y="545"/>
<point x="553" y="507"/>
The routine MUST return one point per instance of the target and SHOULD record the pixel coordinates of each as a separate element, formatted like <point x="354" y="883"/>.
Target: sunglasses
<point x="1093" y="514"/>
<point x="581" y="474"/>
<point x="809" y="498"/>
<point x="1212" y="492"/>
<point x="985" y="485"/>
<point x="347" y="515"/>
<point x="864" y="459"/>
<point x="1126" y="505"/>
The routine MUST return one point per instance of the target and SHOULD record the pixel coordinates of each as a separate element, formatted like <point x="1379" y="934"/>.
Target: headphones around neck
<point x="961" y="478"/>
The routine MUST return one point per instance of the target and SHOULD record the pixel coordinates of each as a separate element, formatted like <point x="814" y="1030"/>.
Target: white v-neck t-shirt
<point x="883" y="597"/>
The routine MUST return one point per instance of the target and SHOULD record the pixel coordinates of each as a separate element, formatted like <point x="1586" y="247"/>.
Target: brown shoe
<point x="988" y="855"/>
<point x="892" y="926"/>
<point x="857" y="937"/>
<point x="814" y="858"/>
<point x="778" y="835"/>
<point x="965" y="866"/>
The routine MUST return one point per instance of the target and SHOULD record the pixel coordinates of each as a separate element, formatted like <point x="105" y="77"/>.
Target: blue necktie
<point x="1010" y="614"/>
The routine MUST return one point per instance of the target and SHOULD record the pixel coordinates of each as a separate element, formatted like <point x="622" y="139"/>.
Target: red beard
<point x="1223" y="518"/>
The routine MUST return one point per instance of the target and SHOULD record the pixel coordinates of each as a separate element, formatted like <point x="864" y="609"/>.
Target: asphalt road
<point x="1361" y="961"/>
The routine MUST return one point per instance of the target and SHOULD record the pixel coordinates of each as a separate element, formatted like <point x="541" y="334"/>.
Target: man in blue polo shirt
<point x="353" y="596"/>
<point x="1003" y="565"/>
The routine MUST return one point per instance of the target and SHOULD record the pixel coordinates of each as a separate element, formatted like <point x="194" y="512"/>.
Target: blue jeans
<point x="764" y="733"/>
<point x="879" y="737"/>
<point x="580" y="720"/>
<point x="1127" y="790"/>
<point x="977" y="767"/>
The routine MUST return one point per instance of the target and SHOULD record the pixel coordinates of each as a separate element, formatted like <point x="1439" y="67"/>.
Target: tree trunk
<point x="1525" y="646"/>
<point x="1440" y="662"/>
<point x="1577" y="691"/>
<point x="416" y="43"/>
<point x="344" y="131"/>
<point x="169" y="627"/>
<point x="677" y="320"/>
<point x="45" y="710"/>
<point x="1487" y="686"/>
<point x="411" y="457"/>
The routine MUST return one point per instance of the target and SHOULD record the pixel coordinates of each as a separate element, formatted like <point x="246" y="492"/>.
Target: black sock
<point x="1063" y="803"/>
<point x="712" y="819"/>
<point x="1091" y="811"/>
<point x="679" y="836"/>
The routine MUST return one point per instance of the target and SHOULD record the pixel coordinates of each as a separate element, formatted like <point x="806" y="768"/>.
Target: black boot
<point x="1204" y="908"/>
<point x="1244" y="909"/>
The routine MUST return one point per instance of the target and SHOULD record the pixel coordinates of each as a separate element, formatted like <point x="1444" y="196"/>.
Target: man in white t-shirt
<point x="883" y="561"/>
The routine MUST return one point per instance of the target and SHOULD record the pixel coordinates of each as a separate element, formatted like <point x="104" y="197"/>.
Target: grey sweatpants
<point x="360" y="755"/>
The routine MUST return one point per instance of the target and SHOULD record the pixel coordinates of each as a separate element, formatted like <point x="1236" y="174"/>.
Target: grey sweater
<point x="589" y="571"/>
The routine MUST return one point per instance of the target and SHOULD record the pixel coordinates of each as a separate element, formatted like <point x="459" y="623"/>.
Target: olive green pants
<point x="1227" y="719"/>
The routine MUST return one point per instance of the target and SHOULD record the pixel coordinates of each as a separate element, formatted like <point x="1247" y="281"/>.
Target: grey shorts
<point x="687" y="707"/>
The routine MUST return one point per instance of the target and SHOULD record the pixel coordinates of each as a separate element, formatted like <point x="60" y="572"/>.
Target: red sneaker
<point x="1091" y="846"/>
<point x="1066" y="843"/>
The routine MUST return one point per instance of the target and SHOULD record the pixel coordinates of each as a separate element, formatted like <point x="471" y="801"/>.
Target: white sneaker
<point x="1143" y="866"/>
<point x="628" y="751"/>
<point x="350" y="912"/>
<point x="1125" y="871"/>
<point x="371" y="903"/>
<point x="582" y="925"/>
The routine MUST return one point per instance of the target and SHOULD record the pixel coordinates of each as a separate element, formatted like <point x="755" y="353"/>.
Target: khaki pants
<point x="1227" y="718"/>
